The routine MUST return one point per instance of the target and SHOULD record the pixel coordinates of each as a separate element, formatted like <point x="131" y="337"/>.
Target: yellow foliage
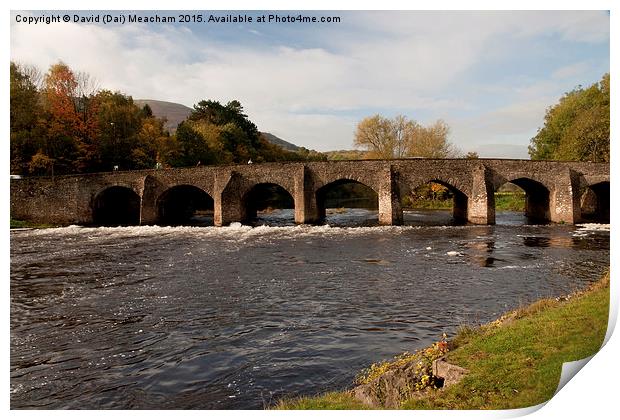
<point x="423" y="369"/>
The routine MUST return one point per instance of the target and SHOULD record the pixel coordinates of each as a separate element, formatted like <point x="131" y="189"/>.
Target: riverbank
<point x="513" y="362"/>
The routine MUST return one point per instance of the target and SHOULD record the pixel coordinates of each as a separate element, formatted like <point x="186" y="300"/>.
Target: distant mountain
<point x="173" y="112"/>
<point x="279" y="142"/>
<point x="346" y="154"/>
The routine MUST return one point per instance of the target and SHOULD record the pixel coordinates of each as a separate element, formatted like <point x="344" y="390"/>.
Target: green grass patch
<point x="510" y="201"/>
<point x="504" y="201"/>
<point x="513" y="362"/>
<point x="329" y="401"/>
<point x="516" y="361"/>
<point x="16" y="224"/>
<point x="430" y="204"/>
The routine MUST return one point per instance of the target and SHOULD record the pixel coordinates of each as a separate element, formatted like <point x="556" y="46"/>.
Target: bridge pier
<point x="306" y="210"/>
<point x="481" y="202"/>
<point x="390" y="211"/>
<point x="227" y="200"/>
<point x="564" y="200"/>
<point x="149" y="213"/>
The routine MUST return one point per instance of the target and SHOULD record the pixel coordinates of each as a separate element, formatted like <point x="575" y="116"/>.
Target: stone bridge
<point x="555" y="191"/>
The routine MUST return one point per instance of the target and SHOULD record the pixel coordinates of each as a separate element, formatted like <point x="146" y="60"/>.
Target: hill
<point x="279" y="142"/>
<point x="174" y="113"/>
<point x="345" y="154"/>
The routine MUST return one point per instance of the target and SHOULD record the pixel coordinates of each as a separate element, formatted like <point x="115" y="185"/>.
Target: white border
<point x="592" y="393"/>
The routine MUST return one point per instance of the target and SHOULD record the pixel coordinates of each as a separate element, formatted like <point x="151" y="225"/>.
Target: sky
<point x="490" y="75"/>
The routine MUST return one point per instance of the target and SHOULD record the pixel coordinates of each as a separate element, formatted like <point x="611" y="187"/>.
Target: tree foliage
<point x="25" y="113"/>
<point x="432" y="141"/>
<point x="192" y="147"/>
<point x="379" y="136"/>
<point x="230" y="137"/>
<point x="400" y="137"/>
<point x="62" y="123"/>
<point x="40" y="163"/>
<point x="577" y="127"/>
<point x="120" y="122"/>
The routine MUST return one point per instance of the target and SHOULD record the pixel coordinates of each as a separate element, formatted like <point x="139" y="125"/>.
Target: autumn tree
<point x="62" y="123"/>
<point x="63" y="120"/>
<point x="376" y="135"/>
<point x="41" y="164"/>
<point x="577" y="127"/>
<point x="432" y="142"/>
<point x="403" y="132"/>
<point x="399" y="137"/>
<point x="72" y="123"/>
<point x="52" y="116"/>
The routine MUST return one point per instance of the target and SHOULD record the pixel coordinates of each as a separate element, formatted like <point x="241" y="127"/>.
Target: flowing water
<point x="238" y="317"/>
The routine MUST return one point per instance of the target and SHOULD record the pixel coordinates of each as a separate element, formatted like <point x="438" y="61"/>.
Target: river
<point x="237" y="317"/>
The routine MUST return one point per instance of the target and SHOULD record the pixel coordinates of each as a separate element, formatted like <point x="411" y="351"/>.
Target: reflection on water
<point x="236" y="317"/>
<point x="353" y="217"/>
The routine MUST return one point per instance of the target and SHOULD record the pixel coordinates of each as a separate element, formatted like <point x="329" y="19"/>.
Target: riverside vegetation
<point x="512" y="362"/>
<point x="504" y="201"/>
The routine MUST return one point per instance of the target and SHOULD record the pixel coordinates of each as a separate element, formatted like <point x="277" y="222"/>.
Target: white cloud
<point x="580" y="26"/>
<point x="510" y="125"/>
<point x="322" y="132"/>
<point x="571" y="70"/>
<point x="511" y="151"/>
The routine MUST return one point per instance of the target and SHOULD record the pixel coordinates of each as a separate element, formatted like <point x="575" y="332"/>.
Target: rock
<point x="392" y="387"/>
<point x="451" y="374"/>
<point x="409" y="377"/>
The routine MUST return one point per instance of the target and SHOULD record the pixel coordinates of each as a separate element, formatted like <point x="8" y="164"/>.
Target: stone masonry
<point x="553" y="189"/>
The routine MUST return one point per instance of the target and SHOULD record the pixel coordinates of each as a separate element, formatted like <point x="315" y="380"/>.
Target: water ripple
<point x="185" y="317"/>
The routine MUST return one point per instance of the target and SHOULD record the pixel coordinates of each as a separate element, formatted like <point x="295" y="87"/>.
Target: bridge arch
<point x="594" y="202"/>
<point x="455" y="191"/>
<point x="185" y="204"/>
<point x="116" y="205"/>
<point x="266" y="196"/>
<point x="537" y="198"/>
<point x="345" y="193"/>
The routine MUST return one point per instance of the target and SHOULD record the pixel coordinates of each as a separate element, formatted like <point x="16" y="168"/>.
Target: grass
<point x="329" y="401"/>
<point x="510" y="201"/>
<point x="430" y="204"/>
<point x="513" y="362"/>
<point x="504" y="201"/>
<point x="516" y="361"/>
<point x="16" y="224"/>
